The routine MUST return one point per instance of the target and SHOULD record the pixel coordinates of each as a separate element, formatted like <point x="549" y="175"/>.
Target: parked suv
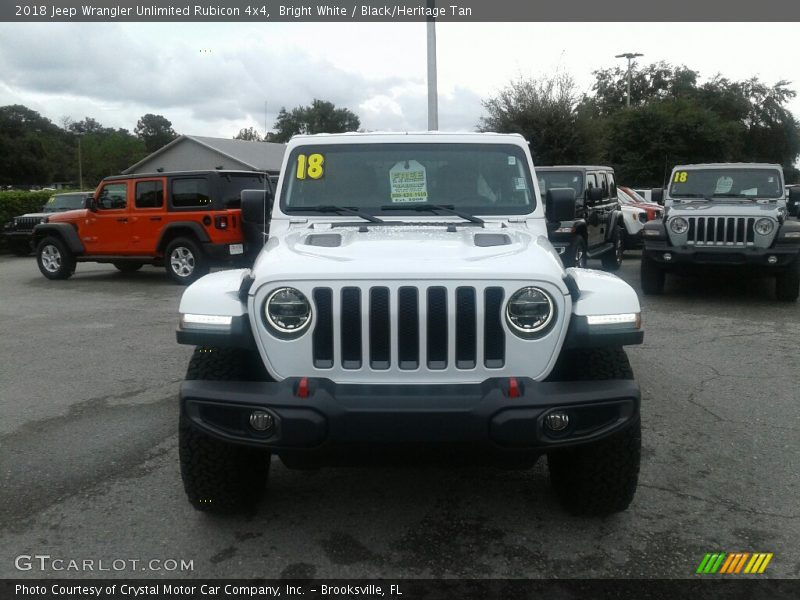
<point x="408" y="301"/>
<point x="19" y="232"/>
<point x="724" y="215"/>
<point x="187" y="221"/>
<point x="597" y="230"/>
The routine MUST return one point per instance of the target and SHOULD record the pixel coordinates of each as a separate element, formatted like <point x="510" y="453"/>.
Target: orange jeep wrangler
<point x="187" y="222"/>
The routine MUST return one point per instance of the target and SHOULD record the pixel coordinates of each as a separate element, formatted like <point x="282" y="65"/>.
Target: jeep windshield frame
<point x="486" y="179"/>
<point x="739" y="183"/>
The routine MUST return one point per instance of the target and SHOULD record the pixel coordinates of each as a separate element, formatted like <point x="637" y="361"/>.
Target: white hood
<point x="409" y="252"/>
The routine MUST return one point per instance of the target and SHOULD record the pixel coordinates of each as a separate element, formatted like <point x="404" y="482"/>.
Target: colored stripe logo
<point x="734" y="563"/>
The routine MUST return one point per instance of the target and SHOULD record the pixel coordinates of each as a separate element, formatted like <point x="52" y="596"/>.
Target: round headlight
<point x="679" y="225"/>
<point x="530" y="311"/>
<point x="764" y="226"/>
<point x="287" y="311"/>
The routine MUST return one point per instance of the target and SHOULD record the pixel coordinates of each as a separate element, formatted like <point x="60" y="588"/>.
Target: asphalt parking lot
<point x="89" y="376"/>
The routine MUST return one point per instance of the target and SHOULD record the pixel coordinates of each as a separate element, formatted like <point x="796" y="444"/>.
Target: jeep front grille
<point x="721" y="231"/>
<point x="428" y="321"/>
<point x="27" y="223"/>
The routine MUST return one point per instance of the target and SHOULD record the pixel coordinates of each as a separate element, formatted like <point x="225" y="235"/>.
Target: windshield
<point x="483" y="179"/>
<point x="549" y="180"/>
<point x="63" y="202"/>
<point x="726" y="183"/>
<point x="624" y="198"/>
<point x="634" y="195"/>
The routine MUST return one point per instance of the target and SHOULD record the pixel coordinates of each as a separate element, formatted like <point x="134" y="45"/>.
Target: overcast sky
<point x="213" y="79"/>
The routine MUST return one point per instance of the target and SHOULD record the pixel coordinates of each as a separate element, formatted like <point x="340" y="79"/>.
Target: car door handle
<point x="122" y="220"/>
<point x="155" y="218"/>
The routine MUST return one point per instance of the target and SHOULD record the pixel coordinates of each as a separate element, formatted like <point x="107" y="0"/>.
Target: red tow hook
<point x="303" y="390"/>
<point x="514" y="389"/>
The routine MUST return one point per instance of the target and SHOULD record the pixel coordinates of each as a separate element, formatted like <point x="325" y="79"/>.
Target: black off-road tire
<point x="652" y="276"/>
<point x="185" y="261"/>
<point x="598" y="478"/>
<point x="612" y="260"/>
<point x="18" y="248"/>
<point x="787" y="283"/>
<point x="54" y="259"/>
<point x="128" y="267"/>
<point x="575" y="254"/>
<point x="219" y="477"/>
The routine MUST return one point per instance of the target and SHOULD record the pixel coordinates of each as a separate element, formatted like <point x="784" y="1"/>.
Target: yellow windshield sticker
<point x="680" y="177"/>
<point x="310" y="166"/>
<point x="409" y="182"/>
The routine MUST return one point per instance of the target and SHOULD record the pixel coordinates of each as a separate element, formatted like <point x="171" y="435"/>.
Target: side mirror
<point x="255" y="204"/>
<point x="560" y="204"/>
<point x="594" y="194"/>
<point x="91" y="203"/>
<point x="657" y="195"/>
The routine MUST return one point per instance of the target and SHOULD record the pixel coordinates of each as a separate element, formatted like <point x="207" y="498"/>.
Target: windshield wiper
<point x="447" y="208"/>
<point x="330" y="208"/>
<point x="708" y="197"/>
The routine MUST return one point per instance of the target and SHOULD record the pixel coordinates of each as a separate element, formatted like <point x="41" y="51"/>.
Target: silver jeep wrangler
<point x="408" y="304"/>
<point x="730" y="215"/>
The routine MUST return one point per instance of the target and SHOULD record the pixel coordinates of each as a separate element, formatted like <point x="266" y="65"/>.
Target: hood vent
<point x="486" y="240"/>
<point x="324" y="240"/>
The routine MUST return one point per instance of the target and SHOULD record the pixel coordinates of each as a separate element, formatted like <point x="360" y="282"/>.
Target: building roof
<point x="259" y="156"/>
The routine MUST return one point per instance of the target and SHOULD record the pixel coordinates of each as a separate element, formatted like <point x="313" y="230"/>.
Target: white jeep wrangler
<point x="406" y="302"/>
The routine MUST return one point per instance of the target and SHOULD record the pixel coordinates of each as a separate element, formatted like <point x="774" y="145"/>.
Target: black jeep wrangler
<point x="19" y="231"/>
<point x="597" y="231"/>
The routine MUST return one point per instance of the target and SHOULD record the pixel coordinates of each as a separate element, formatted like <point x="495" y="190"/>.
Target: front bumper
<point x="337" y="415"/>
<point x="18" y="236"/>
<point x="221" y="253"/>
<point x="682" y="256"/>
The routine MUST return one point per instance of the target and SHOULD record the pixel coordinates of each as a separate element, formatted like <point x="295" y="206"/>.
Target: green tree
<point x="248" y="133"/>
<point x="546" y="112"/>
<point x="657" y="81"/>
<point x="673" y="120"/>
<point x="109" y="152"/>
<point x="319" y="117"/>
<point x="155" y="131"/>
<point x="32" y="148"/>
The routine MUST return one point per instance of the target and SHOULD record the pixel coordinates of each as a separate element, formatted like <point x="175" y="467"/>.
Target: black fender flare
<point x="788" y="234"/>
<point x="614" y="221"/>
<point x="580" y="227"/>
<point x="193" y="226"/>
<point x="65" y="231"/>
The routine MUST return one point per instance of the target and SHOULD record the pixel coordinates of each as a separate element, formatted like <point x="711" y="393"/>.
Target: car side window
<point x="591" y="182"/>
<point x="113" y="196"/>
<point x="603" y="184"/>
<point x="190" y="192"/>
<point x="149" y="194"/>
<point x="612" y="185"/>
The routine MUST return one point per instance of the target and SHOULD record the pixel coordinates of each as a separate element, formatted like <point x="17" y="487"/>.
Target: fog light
<point x="261" y="421"/>
<point x="556" y="421"/>
<point x="667" y="256"/>
<point x="772" y="259"/>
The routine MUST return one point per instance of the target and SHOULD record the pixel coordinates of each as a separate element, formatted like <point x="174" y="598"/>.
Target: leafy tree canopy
<point x="319" y="117"/>
<point x="155" y="131"/>
<point x="248" y="133"/>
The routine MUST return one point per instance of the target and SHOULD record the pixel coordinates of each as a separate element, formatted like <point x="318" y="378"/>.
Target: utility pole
<point x="630" y="56"/>
<point x="433" y="93"/>
<point x="80" y="162"/>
